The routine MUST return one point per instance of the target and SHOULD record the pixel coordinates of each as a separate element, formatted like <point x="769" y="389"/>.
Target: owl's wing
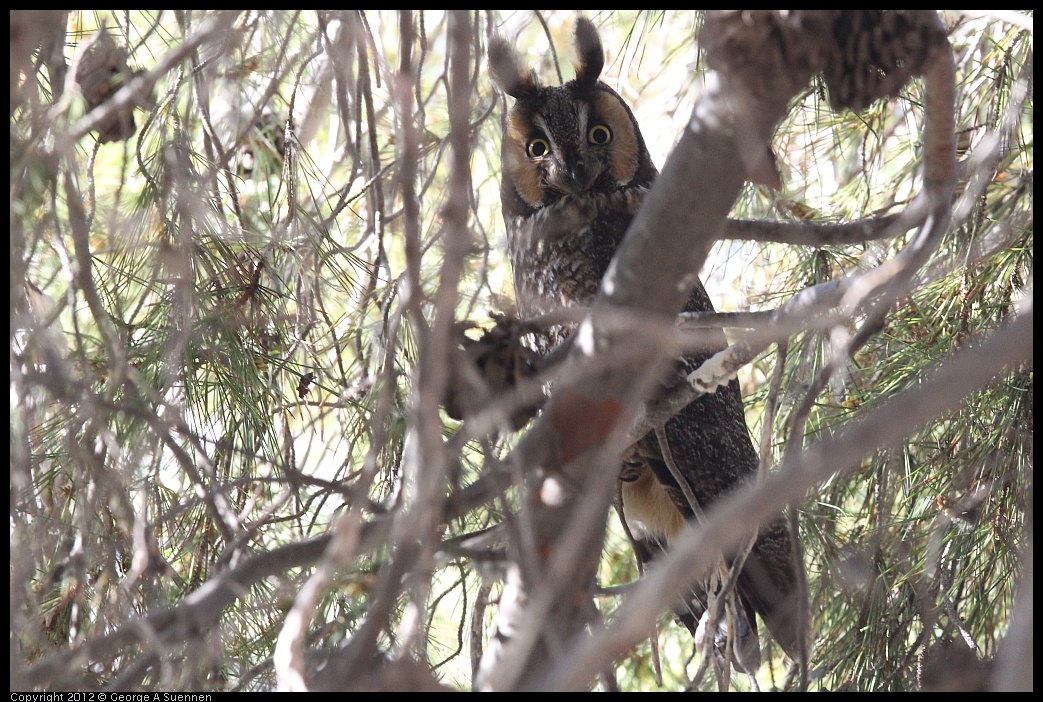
<point x="711" y="448"/>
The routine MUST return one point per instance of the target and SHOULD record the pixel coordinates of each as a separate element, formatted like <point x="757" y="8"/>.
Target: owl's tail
<point x="770" y="583"/>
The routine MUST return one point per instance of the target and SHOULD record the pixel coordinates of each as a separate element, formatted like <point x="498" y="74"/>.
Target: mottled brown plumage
<point x="575" y="171"/>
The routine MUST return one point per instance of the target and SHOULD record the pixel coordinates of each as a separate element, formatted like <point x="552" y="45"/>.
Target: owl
<point x="575" y="170"/>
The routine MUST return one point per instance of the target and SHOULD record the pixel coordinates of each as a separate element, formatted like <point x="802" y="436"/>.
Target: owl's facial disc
<point x="571" y="140"/>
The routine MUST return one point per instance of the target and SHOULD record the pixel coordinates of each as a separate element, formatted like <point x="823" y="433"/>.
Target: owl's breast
<point x="561" y="252"/>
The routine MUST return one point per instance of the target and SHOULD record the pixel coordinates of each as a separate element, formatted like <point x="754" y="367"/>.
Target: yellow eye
<point x="537" y="148"/>
<point x="599" y="134"/>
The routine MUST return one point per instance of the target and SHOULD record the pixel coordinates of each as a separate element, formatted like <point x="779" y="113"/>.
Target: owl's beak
<point x="578" y="177"/>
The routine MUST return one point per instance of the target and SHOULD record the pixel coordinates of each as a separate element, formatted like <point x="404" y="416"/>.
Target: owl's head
<point x="568" y="139"/>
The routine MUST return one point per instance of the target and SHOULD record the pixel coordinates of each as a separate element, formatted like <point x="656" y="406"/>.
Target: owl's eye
<point x="537" y="148"/>
<point x="599" y="134"/>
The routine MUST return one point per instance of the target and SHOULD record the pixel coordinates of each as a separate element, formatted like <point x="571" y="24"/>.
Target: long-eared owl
<point x="575" y="171"/>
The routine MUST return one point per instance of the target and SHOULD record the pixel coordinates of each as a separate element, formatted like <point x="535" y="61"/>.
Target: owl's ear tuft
<point x="504" y="66"/>
<point x="588" y="49"/>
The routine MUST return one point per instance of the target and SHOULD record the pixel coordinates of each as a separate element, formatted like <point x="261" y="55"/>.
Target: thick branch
<point x="816" y="234"/>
